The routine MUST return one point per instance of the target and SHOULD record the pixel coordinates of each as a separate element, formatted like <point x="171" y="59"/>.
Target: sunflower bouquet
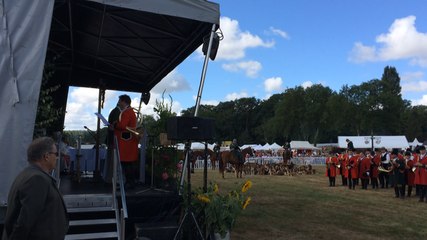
<point x="221" y="210"/>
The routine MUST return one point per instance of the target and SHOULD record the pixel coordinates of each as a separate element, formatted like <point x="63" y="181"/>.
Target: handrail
<point x="118" y="175"/>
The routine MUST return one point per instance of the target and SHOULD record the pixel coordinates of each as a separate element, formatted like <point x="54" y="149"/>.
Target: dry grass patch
<point x="304" y="207"/>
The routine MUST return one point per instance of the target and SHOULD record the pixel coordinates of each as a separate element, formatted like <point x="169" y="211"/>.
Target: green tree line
<point x="318" y="114"/>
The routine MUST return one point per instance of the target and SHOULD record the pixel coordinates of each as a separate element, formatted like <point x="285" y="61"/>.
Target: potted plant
<point x="221" y="209"/>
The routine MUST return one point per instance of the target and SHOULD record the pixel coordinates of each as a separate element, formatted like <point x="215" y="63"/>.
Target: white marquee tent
<point x="302" y="145"/>
<point x="363" y="142"/>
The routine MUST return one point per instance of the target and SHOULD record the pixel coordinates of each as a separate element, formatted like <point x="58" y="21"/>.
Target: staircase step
<point x="93" y="222"/>
<point x="89" y="209"/>
<point x="88" y="200"/>
<point x="99" y="235"/>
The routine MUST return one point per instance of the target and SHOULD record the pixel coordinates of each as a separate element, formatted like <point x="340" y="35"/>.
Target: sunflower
<point x="203" y="198"/>
<point x="246" y="203"/>
<point x="215" y="188"/>
<point x="246" y="186"/>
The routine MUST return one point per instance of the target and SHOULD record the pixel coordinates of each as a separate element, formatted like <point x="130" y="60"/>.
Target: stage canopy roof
<point x="364" y="142"/>
<point x="128" y="45"/>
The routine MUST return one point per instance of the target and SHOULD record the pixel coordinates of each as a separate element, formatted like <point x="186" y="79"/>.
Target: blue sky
<point x="273" y="45"/>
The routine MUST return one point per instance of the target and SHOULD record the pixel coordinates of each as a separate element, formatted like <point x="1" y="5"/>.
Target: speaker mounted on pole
<point x="190" y="128"/>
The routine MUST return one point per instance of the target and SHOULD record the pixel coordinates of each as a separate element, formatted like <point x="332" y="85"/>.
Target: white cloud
<point x="402" y="41"/>
<point x="279" y="32"/>
<point x="361" y="53"/>
<point x="82" y="103"/>
<point x="251" y="68"/>
<point x="307" y="84"/>
<point x="236" y="41"/>
<point x="422" y="101"/>
<point x="234" y="96"/>
<point x="273" y="84"/>
<point x="173" y="82"/>
<point x="413" y="82"/>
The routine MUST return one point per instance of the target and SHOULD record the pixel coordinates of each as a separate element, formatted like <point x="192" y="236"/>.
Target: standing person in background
<point x="375" y="163"/>
<point x="36" y="209"/>
<point x="331" y="169"/>
<point x="350" y="145"/>
<point x="112" y="118"/>
<point x="343" y="169"/>
<point x="421" y="173"/>
<point x="128" y="142"/>
<point x="398" y="174"/>
<point x="352" y="167"/>
<point x="365" y="168"/>
<point x="385" y="164"/>
<point x="410" y="175"/>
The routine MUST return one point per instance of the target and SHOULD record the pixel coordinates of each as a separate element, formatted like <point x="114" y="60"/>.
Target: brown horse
<point x="199" y="154"/>
<point x="231" y="158"/>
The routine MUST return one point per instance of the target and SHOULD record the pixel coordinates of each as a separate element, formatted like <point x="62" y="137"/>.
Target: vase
<point x="217" y="236"/>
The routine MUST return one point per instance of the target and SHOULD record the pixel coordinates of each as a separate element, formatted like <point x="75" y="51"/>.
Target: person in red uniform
<point x="331" y="169"/>
<point x="352" y="168"/>
<point x="421" y="173"/>
<point x="410" y="175"/>
<point x="365" y="168"/>
<point x="342" y="168"/>
<point x="375" y="162"/>
<point x="128" y="142"/>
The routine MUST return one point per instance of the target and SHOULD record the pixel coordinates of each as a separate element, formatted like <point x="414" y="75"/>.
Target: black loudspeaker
<point x="190" y="128"/>
<point x="214" y="48"/>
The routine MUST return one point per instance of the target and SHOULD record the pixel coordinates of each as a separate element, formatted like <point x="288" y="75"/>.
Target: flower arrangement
<point x="221" y="210"/>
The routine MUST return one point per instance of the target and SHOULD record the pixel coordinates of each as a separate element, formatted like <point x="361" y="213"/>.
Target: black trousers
<point x="365" y="182"/>
<point x="374" y="182"/>
<point x="399" y="190"/>
<point x="423" y="190"/>
<point x="331" y="181"/>
<point x="344" y="180"/>
<point x="384" y="179"/>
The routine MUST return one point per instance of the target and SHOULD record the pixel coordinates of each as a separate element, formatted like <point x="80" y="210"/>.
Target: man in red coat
<point x="331" y="169"/>
<point x="365" y="168"/>
<point x="128" y="142"/>
<point x="421" y="173"/>
<point x="352" y="168"/>
<point x="342" y="168"/>
<point x="410" y="175"/>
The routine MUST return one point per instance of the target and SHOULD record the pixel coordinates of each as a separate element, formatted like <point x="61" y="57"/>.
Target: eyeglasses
<point x="56" y="153"/>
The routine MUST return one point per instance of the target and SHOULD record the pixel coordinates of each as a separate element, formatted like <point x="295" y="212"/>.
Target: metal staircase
<point x="99" y="216"/>
<point x="92" y="216"/>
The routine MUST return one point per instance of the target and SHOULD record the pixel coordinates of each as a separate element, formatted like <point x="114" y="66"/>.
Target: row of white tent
<point x="359" y="142"/>
<point x="256" y="147"/>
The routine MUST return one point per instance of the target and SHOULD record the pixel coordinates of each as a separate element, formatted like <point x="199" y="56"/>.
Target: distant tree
<point x="392" y="102"/>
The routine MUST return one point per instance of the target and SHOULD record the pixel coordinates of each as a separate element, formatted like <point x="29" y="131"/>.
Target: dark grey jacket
<point x="36" y="209"/>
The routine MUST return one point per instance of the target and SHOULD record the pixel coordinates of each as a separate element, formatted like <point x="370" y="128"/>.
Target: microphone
<point x="90" y="132"/>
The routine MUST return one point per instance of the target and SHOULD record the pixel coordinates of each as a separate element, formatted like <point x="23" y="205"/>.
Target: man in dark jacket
<point x="36" y="209"/>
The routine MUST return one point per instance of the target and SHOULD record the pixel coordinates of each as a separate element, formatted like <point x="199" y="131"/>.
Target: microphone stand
<point x="96" y="174"/>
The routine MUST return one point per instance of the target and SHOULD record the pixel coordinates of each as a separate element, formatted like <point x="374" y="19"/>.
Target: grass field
<point x="305" y="207"/>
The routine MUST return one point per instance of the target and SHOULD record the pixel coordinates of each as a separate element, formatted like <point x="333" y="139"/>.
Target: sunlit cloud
<point x="402" y="41"/>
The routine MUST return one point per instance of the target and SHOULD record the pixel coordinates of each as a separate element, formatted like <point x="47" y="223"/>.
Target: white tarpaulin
<point x="302" y="145"/>
<point x="24" y="32"/>
<point x="363" y="142"/>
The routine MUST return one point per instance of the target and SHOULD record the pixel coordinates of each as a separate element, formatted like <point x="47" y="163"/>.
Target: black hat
<point x="408" y="153"/>
<point x="395" y="152"/>
<point x="422" y="147"/>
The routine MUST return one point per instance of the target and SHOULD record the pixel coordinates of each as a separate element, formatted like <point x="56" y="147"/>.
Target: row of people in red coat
<point x="390" y="168"/>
